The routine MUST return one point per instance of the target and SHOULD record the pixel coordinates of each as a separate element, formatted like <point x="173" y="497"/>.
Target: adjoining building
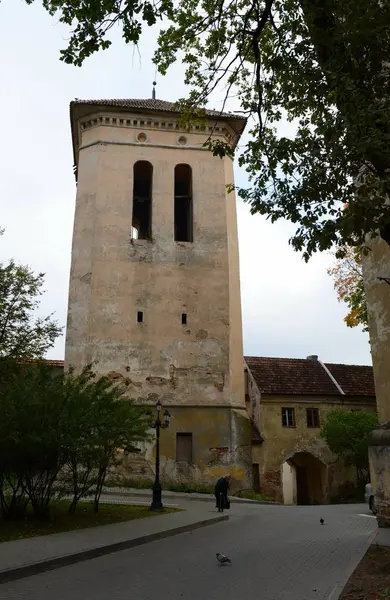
<point x="288" y="400"/>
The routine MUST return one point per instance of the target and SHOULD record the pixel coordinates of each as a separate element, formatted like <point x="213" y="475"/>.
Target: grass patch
<point x="249" y="495"/>
<point x="137" y="484"/>
<point x="83" y="518"/>
<point x="185" y="488"/>
<point x="145" y="484"/>
<point x="190" y="489"/>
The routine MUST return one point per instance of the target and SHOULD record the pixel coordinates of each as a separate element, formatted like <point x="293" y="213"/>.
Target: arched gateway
<point x="304" y="479"/>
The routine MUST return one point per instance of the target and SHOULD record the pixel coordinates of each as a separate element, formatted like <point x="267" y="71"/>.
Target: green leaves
<point x="60" y="429"/>
<point x="20" y="334"/>
<point x="320" y="65"/>
<point x="347" y="433"/>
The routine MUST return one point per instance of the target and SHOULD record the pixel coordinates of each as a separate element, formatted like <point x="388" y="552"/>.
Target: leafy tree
<point x="59" y="434"/>
<point x="22" y="335"/>
<point x="31" y="447"/>
<point x="100" y="421"/>
<point x="348" y="282"/>
<point x="347" y="433"/>
<point x="321" y="64"/>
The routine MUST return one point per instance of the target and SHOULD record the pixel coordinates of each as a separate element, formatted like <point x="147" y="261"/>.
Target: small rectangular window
<point x="140" y="316"/>
<point x="288" y="417"/>
<point x="184" y="318"/>
<point x="313" y="417"/>
<point x="184" y="447"/>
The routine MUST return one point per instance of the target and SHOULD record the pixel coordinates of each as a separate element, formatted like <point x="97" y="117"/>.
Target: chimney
<point x="312" y="357"/>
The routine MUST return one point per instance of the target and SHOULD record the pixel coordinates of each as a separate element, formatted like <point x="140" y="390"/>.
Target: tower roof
<point x="150" y="104"/>
<point x="83" y="108"/>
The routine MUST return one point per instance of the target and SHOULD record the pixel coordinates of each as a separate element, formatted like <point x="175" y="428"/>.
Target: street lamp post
<point x="156" y="501"/>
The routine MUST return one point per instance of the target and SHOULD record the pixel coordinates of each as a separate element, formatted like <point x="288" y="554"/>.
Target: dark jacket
<point x="221" y="487"/>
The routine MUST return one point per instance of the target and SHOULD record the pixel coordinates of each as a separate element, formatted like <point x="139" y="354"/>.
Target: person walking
<point x="221" y="493"/>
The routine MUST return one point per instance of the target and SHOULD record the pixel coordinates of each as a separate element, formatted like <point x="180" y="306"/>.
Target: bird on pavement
<point x="222" y="559"/>
<point x="322" y="521"/>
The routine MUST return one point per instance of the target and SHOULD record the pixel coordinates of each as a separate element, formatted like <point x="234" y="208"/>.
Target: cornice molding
<point x="139" y="144"/>
<point x="155" y="124"/>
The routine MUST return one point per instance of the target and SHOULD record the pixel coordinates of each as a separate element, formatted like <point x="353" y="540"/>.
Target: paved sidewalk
<point x="23" y="558"/>
<point x="277" y="553"/>
<point x="175" y="496"/>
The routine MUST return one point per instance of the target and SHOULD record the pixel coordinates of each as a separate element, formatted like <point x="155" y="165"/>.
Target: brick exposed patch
<point x="271" y="485"/>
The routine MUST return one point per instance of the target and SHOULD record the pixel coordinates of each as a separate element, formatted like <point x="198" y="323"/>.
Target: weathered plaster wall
<point x="289" y="483"/>
<point x="235" y="319"/>
<point x="221" y="445"/>
<point x="376" y="264"/>
<point x="113" y="276"/>
<point x="282" y="443"/>
<point x="252" y="398"/>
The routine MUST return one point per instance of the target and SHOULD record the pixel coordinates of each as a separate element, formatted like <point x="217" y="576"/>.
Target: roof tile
<point x="151" y="104"/>
<point x="354" y="380"/>
<point x="304" y="377"/>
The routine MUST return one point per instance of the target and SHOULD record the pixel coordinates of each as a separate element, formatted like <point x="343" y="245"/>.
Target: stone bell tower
<point x="154" y="296"/>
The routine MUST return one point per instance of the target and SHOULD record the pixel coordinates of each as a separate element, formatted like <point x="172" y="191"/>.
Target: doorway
<point x="304" y="479"/>
<point x="256" y="478"/>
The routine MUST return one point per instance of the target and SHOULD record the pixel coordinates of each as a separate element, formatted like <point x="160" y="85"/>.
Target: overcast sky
<point x="289" y="307"/>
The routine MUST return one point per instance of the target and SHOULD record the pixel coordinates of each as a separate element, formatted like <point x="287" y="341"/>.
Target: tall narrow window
<point x="183" y="204"/>
<point x="142" y="200"/>
<point x="313" y="417"/>
<point x="288" y="417"/>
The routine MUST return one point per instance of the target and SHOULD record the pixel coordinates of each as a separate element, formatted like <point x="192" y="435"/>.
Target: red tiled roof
<point x="54" y="363"/>
<point x="82" y="108"/>
<point x="304" y="377"/>
<point x="354" y="380"/>
<point x="151" y="104"/>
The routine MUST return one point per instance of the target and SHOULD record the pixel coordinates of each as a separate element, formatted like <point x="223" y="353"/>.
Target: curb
<point x="232" y="499"/>
<point x="336" y="592"/>
<point x="15" y="573"/>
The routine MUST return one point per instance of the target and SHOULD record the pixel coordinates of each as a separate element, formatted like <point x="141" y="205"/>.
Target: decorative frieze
<point x="152" y="124"/>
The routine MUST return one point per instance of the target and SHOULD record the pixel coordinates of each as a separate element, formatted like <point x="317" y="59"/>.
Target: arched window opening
<point x="142" y="200"/>
<point x="183" y="204"/>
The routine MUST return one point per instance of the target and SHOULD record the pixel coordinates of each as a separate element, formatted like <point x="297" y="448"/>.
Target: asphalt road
<point x="277" y="553"/>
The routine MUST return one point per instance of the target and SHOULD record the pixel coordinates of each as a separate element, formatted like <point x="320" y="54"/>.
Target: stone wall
<point x="221" y="441"/>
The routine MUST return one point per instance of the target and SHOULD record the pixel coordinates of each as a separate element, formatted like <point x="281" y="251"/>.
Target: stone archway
<point x="304" y="479"/>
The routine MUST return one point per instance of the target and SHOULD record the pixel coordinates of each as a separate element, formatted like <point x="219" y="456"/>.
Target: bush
<point x="59" y="435"/>
<point x="249" y="495"/>
<point x="349" y="492"/>
<point x="30" y="440"/>
<point x="347" y="434"/>
<point x="189" y="488"/>
<point x="137" y="484"/>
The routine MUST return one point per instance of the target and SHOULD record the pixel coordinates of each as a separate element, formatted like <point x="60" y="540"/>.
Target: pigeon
<point x="222" y="559"/>
<point x="322" y="521"/>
